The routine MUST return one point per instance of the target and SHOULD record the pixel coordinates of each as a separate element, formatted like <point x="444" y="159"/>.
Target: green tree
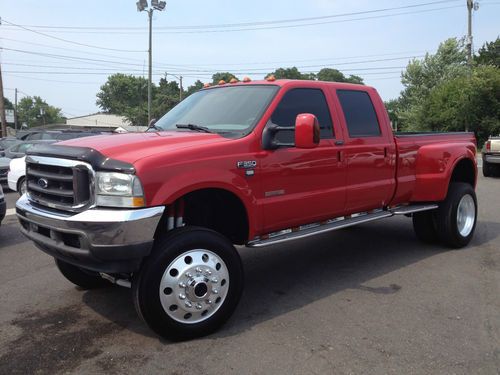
<point x="334" y="75"/>
<point x="166" y="97"/>
<point x="393" y="106"/>
<point x="198" y="85"/>
<point x="34" y="111"/>
<point x="224" y="76"/>
<point x="290" y="73"/>
<point x="421" y="76"/>
<point x="126" y="95"/>
<point x="489" y="54"/>
<point x="467" y="101"/>
<point x="7" y="103"/>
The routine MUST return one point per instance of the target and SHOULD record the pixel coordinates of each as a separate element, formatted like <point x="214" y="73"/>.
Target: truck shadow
<point x="286" y="277"/>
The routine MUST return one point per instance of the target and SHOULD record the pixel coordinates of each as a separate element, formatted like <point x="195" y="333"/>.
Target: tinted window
<point x="359" y="113"/>
<point x="299" y="101"/>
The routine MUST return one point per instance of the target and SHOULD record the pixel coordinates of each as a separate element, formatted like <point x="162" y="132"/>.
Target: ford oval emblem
<point x="43" y="183"/>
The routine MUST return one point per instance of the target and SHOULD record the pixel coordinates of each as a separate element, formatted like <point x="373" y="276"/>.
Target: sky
<point x="63" y="51"/>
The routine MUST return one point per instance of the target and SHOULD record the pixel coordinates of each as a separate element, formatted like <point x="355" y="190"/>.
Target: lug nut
<point x="215" y="280"/>
<point x="188" y="304"/>
<point x="182" y="284"/>
<point x="182" y="296"/>
<point x="209" y="301"/>
<point x="215" y="291"/>
<point x="198" y="269"/>
<point x="198" y="306"/>
<point x="189" y="275"/>
<point x="208" y="272"/>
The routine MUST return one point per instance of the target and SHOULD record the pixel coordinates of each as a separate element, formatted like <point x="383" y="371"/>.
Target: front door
<point x="301" y="186"/>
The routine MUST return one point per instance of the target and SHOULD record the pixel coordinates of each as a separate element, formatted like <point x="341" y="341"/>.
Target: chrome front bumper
<point x="103" y="240"/>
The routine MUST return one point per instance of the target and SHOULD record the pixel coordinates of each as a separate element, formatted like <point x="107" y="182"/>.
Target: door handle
<point x="339" y="143"/>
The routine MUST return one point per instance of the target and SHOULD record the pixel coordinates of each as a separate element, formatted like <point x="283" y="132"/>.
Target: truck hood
<point x="131" y="147"/>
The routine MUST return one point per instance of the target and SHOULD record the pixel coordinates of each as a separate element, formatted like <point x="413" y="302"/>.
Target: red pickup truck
<point x="246" y="163"/>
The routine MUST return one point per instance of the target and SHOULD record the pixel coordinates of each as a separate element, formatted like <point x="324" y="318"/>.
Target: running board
<point x="334" y="224"/>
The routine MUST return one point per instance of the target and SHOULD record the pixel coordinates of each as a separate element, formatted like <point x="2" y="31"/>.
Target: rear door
<point x="302" y="185"/>
<point x="368" y="149"/>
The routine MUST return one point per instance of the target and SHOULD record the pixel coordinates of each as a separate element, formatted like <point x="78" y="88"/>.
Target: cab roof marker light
<point x="222" y="82"/>
<point x="247" y="79"/>
<point x="206" y="85"/>
<point x="234" y="80"/>
<point x="271" y="78"/>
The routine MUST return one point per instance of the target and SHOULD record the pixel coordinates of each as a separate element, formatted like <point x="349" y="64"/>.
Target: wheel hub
<point x="194" y="286"/>
<point x="466" y="215"/>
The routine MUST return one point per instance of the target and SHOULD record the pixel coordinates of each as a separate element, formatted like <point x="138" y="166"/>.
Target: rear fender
<point x="434" y="167"/>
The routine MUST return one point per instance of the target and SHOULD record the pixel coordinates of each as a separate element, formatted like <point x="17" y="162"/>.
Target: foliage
<point x="7" y="103"/>
<point x="290" y="73"/>
<point x="489" y="54"/>
<point x="421" y="76"/>
<point x="35" y="112"/>
<point x="198" y="85"/>
<point x="224" y="76"/>
<point x="334" y="75"/>
<point x="125" y="95"/>
<point x="443" y="94"/>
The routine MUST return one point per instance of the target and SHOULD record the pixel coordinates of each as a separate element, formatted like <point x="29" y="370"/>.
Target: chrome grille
<point x="59" y="183"/>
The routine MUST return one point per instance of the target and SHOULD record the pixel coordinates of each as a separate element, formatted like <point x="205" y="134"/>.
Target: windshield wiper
<point x="194" y="127"/>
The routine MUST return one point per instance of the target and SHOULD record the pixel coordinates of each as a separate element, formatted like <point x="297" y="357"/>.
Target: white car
<point x="16" y="178"/>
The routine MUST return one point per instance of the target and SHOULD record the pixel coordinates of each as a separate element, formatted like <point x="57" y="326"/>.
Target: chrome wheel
<point x="22" y="187"/>
<point x="466" y="215"/>
<point x="194" y="286"/>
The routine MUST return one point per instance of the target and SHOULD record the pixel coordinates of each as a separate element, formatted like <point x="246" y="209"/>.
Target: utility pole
<point x="2" y="107"/>
<point x="180" y="91"/>
<point x="470" y="6"/>
<point x="15" y="109"/>
<point x="150" y="67"/>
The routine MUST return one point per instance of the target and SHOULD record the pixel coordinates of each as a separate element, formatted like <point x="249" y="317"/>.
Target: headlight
<point x="118" y="190"/>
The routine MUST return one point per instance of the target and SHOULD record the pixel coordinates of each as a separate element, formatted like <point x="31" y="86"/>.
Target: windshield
<point x="232" y="111"/>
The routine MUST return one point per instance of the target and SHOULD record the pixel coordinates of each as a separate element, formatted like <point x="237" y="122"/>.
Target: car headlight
<point x="118" y="190"/>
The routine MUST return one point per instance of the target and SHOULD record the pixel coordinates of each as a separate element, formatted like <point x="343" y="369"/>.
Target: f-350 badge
<point x="246" y="164"/>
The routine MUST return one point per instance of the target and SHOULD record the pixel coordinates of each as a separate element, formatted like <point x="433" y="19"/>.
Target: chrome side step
<point x="334" y="224"/>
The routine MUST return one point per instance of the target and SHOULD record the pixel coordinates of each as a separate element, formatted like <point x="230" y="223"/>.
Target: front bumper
<point x="102" y="240"/>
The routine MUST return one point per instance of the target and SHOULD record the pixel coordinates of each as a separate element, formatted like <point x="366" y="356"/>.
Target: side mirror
<point x="307" y="131"/>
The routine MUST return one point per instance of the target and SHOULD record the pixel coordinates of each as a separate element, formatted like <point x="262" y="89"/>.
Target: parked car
<point x="250" y="163"/>
<point x="16" y="176"/>
<point x="3" y="205"/>
<point x="4" y="168"/>
<point x="19" y="149"/>
<point x="5" y="143"/>
<point x="58" y="135"/>
<point x="491" y="156"/>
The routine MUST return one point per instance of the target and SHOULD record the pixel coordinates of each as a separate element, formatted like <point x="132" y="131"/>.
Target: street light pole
<point x="141" y="6"/>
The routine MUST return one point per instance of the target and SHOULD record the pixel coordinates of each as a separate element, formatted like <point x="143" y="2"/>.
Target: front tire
<point x="21" y="186"/>
<point x="457" y="215"/>
<point x="80" y="277"/>
<point x="190" y="285"/>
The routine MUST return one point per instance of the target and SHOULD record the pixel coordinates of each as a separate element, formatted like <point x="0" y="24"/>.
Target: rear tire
<point x="457" y="215"/>
<point x="190" y="284"/>
<point x="486" y="168"/>
<point x="80" y="277"/>
<point x="425" y="227"/>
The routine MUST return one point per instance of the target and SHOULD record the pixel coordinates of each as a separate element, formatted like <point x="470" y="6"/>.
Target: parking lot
<point x="369" y="299"/>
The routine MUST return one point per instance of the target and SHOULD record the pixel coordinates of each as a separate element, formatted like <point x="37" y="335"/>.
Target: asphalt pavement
<point x="365" y="300"/>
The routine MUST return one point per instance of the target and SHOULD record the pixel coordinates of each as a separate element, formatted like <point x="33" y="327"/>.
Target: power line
<point x="70" y="41"/>
<point x="198" y="31"/>
<point x="246" y="24"/>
